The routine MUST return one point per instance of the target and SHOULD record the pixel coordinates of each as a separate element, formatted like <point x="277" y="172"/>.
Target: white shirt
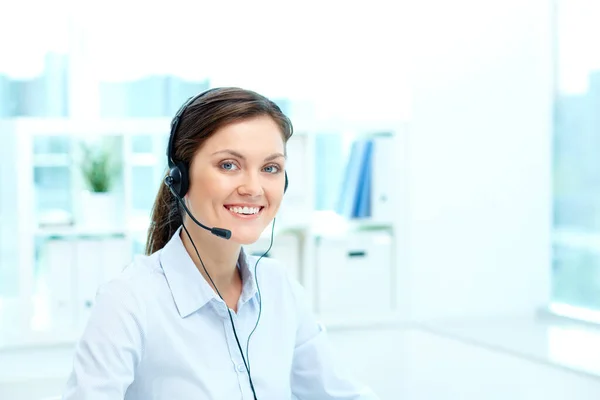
<point x="160" y="332"/>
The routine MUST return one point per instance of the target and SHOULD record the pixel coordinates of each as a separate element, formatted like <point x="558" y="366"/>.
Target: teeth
<point x="245" y="210"/>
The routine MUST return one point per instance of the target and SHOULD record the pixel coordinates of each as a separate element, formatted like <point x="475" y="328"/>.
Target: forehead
<point x="249" y="135"/>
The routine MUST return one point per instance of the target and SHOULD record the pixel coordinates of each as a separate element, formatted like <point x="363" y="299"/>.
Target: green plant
<point x="98" y="167"/>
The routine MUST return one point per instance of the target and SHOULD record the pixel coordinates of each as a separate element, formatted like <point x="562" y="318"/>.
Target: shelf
<point x="328" y="223"/>
<point x="134" y="226"/>
<point x="51" y="160"/>
<point x="323" y="224"/>
<point x="75" y="231"/>
<point x="367" y="224"/>
<point x="33" y="339"/>
<point x="69" y="232"/>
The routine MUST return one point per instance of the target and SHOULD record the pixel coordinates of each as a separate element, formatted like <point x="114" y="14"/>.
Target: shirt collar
<point x="188" y="287"/>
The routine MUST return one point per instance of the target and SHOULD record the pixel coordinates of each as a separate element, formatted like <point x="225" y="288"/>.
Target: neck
<point x="220" y="257"/>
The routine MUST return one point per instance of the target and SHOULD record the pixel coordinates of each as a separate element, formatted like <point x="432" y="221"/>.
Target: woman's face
<point x="237" y="178"/>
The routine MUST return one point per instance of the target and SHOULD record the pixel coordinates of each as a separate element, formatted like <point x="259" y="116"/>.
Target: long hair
<point x="200" y="120"/>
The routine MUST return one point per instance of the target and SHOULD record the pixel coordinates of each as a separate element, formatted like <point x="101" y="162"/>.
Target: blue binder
<point x="363" y="196"/>
<point x="355" y="195"/>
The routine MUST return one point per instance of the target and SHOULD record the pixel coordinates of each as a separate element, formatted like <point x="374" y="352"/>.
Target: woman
<point x="197" y="318"/>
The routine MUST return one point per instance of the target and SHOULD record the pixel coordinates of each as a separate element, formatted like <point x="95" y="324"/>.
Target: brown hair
<point x="200" y="120"/>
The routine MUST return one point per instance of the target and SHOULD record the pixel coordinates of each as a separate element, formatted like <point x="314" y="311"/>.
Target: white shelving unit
<point x="298" y="226"/>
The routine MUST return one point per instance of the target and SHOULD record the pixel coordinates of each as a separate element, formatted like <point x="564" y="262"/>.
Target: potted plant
<point x="99" y="170"/>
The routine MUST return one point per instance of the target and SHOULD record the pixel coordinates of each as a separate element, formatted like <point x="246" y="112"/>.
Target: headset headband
<point x="178" y="179"/>
<point x="175" y="124"/>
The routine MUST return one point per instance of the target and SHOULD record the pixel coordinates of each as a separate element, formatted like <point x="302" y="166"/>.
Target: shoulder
<point x="119" y="313"/>
<point x="133" y="286"/>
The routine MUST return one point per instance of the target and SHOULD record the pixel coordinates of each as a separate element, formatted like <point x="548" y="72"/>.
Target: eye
<point x="228" y="165"/>
<point x="272" y="169"/>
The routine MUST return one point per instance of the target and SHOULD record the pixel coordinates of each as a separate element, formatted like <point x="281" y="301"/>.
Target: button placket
<point x="238" y="363"/>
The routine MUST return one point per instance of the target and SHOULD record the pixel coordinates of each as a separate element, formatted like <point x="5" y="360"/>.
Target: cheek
<point x="210" y="185"/>
<point x="275" y="196"/>
<point x="204" y="191"/>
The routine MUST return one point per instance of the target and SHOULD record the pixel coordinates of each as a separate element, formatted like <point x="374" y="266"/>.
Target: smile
<point x="245" y="212"/>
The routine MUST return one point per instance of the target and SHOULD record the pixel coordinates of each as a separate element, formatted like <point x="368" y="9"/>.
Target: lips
<point x="245" y="211"/>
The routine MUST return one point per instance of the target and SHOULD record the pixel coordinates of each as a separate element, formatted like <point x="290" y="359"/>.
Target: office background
<point x="445" y="163"/>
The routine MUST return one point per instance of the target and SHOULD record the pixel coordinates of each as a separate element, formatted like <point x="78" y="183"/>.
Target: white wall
<point x="478" y="168"/>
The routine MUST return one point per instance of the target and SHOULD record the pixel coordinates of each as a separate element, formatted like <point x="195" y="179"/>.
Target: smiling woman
<point x="241" y="165"/>
<point x="181" y="320"/>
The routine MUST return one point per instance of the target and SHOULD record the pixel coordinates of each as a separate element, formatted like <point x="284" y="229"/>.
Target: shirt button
<point x="241" y="367"/>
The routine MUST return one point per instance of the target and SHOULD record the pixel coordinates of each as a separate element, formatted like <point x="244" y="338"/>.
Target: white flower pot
<point x="98" y="210"/>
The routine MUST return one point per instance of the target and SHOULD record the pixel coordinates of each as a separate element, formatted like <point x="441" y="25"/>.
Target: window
<point x="576" y="236"/>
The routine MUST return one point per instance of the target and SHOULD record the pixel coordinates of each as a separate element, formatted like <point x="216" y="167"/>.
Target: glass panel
<point x="576" y="277"/>
<point x="52" y="145"/>
<point x="576" y="267"/>
<point x="330" y="160"/>
<point x="179" y="90"/>
<point x="53" y="195"/>
<point x="152" y="96"/>
<point x="141" y="144"/>
<point x="141" y="98"/>
<point x="41" y="95"/>
<point x="34" y="67"/>
<point x="144" y="188"/>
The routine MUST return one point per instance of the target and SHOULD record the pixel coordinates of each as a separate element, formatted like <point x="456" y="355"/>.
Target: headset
<point x="177" y="180"/>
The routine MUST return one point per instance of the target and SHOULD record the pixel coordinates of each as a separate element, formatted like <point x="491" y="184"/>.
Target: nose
<point x="251" y="185"/>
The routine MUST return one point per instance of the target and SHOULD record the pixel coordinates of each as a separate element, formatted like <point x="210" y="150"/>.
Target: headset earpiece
<point x="179" y="179"/>
<point x="286" y="183"/>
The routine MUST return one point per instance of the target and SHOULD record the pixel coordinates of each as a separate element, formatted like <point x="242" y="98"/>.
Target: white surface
<point x="548" y="339"/>
<point x="298" y="202"/>
<point x="384" y="200"/>
<point x="399" y="363"/>
<point x="476" y="236"/>
<point x="416" y="365"/>
<point x="354" y="275"/>
<point x="99" y="210"/>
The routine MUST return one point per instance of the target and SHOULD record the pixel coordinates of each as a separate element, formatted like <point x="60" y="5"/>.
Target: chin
<point x="245" y="235"/>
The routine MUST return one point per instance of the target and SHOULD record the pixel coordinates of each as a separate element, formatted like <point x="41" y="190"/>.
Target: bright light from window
<point x="578" y="36"/>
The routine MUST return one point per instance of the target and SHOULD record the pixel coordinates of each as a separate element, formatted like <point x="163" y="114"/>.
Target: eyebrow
<point x="241" y="156"/>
